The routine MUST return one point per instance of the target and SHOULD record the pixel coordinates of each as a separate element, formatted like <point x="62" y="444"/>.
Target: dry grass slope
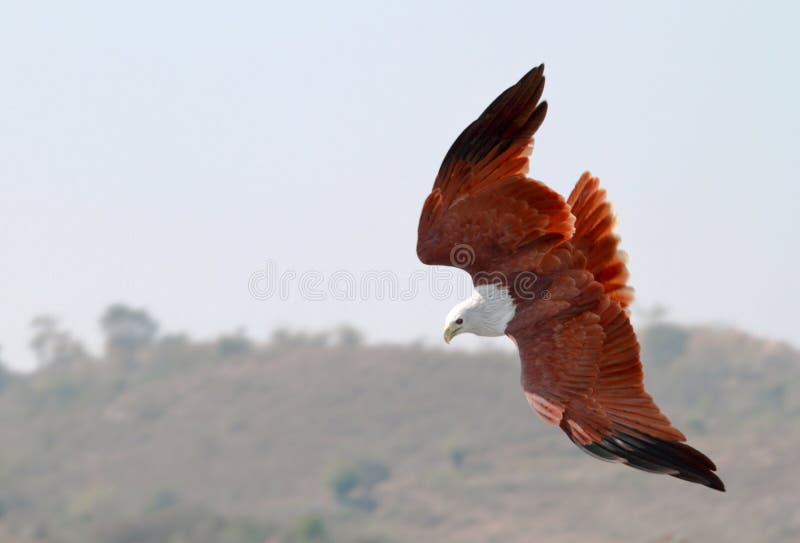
<point x="193" y="442"/>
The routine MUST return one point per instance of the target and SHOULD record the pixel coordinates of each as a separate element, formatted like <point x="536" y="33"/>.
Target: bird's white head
<point x="486" y="313"/>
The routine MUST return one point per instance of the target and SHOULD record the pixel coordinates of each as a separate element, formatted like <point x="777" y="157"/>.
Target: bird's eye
<point x="459" y="321"/>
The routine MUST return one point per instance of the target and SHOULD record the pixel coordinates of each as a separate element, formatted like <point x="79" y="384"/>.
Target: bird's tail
<point x="595" y="239"/>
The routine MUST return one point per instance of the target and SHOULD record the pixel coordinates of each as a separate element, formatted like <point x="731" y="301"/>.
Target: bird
<point x="548" y="273"/>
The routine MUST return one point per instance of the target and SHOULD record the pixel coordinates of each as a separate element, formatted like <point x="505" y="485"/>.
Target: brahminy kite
<point x="547" y="273"/>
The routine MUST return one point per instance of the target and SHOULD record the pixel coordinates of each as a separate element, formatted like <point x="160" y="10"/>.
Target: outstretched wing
<point x="582" y="371"/>
<point x="596" y="240"/>
<point x="482" y="200"/>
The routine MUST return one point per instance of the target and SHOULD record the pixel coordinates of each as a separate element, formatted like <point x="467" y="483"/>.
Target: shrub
<point x="353" y="485"/>
<point x="233" y="345"/>
<point x="309" y="529"/>
<point x="457" y="456"/>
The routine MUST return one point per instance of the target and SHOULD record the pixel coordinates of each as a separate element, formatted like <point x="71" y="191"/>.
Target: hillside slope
<point x="278" y="443"/>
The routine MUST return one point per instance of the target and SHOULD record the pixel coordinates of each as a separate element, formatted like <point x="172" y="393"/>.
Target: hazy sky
<point x="160" y="153"/>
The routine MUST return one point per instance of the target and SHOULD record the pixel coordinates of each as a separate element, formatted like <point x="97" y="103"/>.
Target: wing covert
<point x="482" y="198"/>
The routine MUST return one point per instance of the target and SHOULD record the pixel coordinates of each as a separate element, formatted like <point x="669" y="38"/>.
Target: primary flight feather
<point x="547" y="272"/>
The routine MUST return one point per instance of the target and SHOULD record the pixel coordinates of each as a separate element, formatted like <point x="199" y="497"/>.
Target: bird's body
<point x="548" y="273"/>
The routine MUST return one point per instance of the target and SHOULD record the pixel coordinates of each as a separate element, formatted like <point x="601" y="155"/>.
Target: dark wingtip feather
<point x="657" y="456"/>
<point x="511" y="118"/>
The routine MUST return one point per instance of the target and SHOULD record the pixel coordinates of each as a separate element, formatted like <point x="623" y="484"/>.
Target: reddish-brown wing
<point x="582" y="371"/>
<point x="482" y="199"/>
<point x="595" y="239"/>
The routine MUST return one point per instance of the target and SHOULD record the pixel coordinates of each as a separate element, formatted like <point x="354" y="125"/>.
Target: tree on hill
<point x="234" y="344"/>
<point x="342" y="336"/>
<point x="5" y="376"/>
<point x="284" y="338"/>
<point x="127" y="330"/>
<point x="52" y="345"/>
<point x="348" y="336"/>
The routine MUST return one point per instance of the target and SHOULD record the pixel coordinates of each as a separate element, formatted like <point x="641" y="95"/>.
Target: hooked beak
<point x="450" y="333"/>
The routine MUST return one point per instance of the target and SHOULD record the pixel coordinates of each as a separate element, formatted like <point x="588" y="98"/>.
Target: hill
<point x="302" y="440"/>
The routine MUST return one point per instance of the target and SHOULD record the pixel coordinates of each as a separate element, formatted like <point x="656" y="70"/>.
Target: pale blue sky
<point x="159" y="153"/>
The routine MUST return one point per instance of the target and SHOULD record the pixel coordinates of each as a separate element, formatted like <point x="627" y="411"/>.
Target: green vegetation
<point x="234" y="345"/>
<point x="457" y="455"/>
<point x="354" y="485"/>
<point x="319" y="438"/>
<point x="52" y="345"/>
<point x="128" y="331"/>
<point x="310" y="529"/>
